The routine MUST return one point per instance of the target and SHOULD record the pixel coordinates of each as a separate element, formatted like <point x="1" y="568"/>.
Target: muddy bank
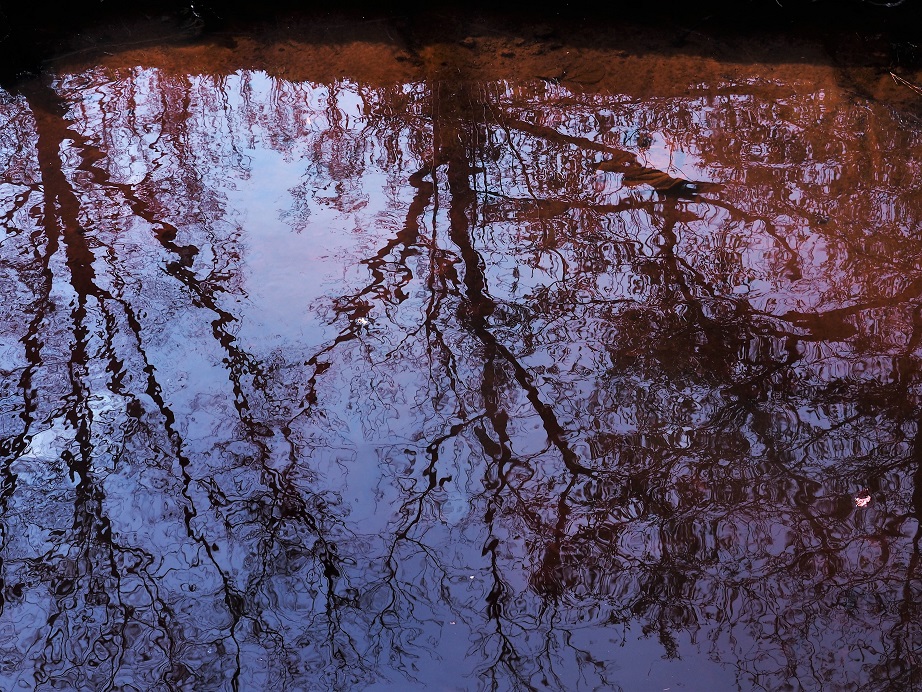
<point x="874" y="52"/>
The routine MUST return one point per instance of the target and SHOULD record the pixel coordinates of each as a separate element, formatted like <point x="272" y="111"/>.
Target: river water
<point x="334" y="359"/>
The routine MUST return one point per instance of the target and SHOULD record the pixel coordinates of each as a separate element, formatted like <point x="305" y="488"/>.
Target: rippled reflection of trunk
<point x="86" y="560"/>
<point x="93" y="557"/>
<point x="459" y="132"/>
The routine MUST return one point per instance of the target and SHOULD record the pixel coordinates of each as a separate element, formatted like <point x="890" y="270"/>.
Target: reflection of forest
<point x="304" y="381"/>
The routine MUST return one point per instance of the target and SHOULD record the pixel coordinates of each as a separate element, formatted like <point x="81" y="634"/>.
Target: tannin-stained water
<point x="497" y="364"/>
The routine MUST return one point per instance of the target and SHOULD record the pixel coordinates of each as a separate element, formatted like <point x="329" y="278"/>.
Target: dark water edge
<point x="31" y="33"/>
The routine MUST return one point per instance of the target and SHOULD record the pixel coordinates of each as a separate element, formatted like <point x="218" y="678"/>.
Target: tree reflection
<point x="560" y="368"/>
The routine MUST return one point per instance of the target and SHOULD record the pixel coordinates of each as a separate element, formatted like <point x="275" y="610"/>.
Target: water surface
<point x="503" y="364"/>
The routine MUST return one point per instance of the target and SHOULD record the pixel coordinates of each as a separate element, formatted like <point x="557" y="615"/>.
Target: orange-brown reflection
<point x="340" y="384"/>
